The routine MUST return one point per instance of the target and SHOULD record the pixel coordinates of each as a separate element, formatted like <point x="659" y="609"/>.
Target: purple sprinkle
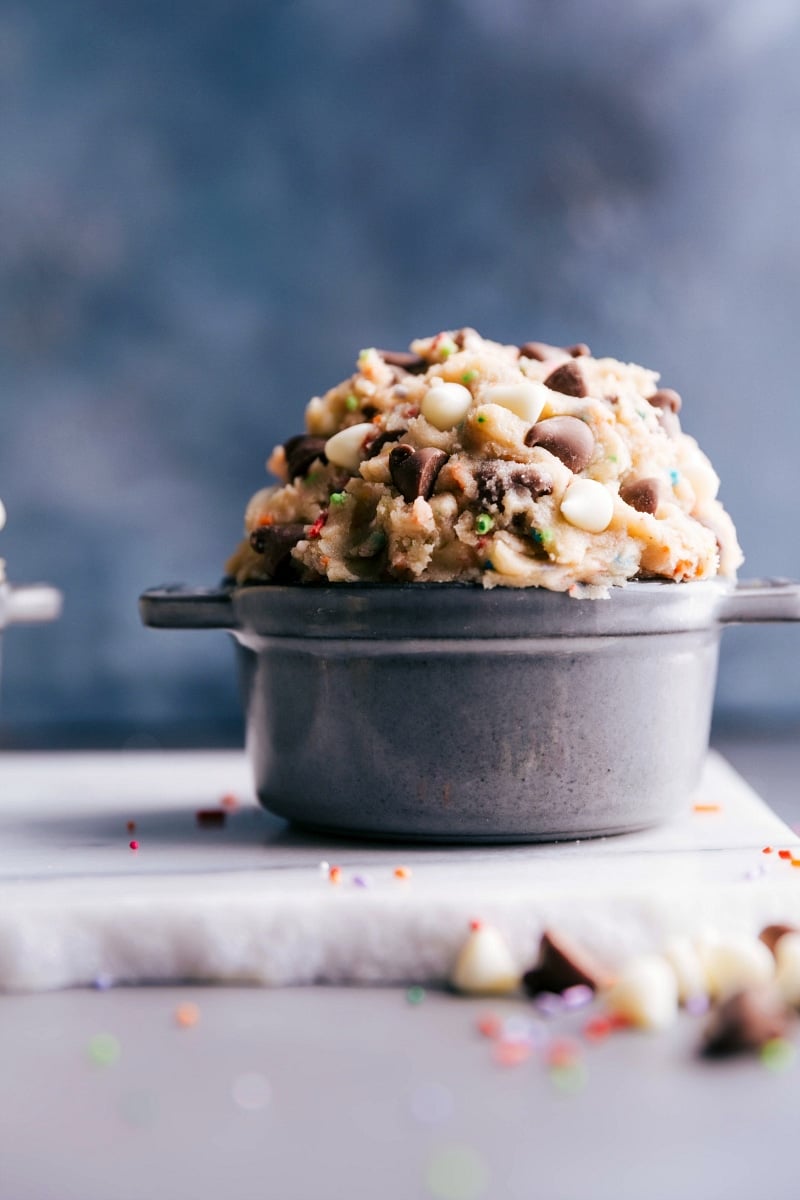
<point x="103" y="982"/>
<point x="698" y="1005"/>
<point x="360" y="881"/>
<point x="577" y="997"/>
<point x="549" y="1004"/>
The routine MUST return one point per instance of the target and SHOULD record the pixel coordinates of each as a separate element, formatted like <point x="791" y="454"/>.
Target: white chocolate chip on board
<point x="731" y="964"/>
<point x="588" y="505"/>
<point x="645" y="993"/>
<point x="347" y="447"/>
<point x="446" y="404"/>
<point x="526" y="399"/>
<point x="484" y="966"/>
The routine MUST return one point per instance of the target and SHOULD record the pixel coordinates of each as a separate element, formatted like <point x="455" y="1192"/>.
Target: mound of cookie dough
<point x="512" y="466"/>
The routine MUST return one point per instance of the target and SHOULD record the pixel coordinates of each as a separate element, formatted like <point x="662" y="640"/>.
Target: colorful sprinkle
<point x="578" y="996"/>
<point x="548" y="1004"/>
<point x="542" y="537"/>
<point x="360" y="881"/>
<point x="569" y="1078"/>
<point x="104" y="1049"/>
<point x="778" y="1054"/>
<point x="598" y="1029"/>
<point x="674" y="477"/>
<point x="187" y="1015"/>
<point x="402" y="873"/>
<point x="489" y="1026"/>
<point x="784" y="854"/>
<point x="131" y="826"/>
<point x="469" y="376"/>
<point x="562" y="1052"/>
<point x="229" y="800"/>
<point x="338" y="497"/>
<point x="103" y="982"/>
<point x="133" y="845"/>
<point x="415" y="995"/>
<point x="351" y="402"/>
<point x="335" y="875"/>
<point x="767" y="850"/>
<point x="707" y="808"/>
<point x="318" y="526"/>
<point x="511" y="1054"/>
<point x="481" y="419"/>
<point x="483" y="523"/>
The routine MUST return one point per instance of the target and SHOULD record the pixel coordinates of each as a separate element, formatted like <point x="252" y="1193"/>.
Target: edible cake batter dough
<point x="510" y="466"/>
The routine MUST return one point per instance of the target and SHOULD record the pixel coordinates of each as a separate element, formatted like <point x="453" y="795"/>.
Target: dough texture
<point x="506" y="466"/>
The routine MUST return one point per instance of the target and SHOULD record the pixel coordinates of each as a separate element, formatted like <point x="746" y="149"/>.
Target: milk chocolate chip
<point x="376" y="445"/>
<point x="569" y="438"/>
<point x="745" y="1021"/>
<point x="666" y="398"/>
<point x="642" y="494"/>
<point x="414" y="472"/>
<point x="567" y="379"/>
<point x="772" y="934"/>
<point x="413" y="363"/>
<point x="275" y="543"/>
<point x="301" y="451"/>
<point x="496" y="477"/>
<point x="563" y="964"/>
<point x="541" y="351"/>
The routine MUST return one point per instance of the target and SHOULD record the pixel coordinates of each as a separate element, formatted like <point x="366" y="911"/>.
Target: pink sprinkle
<point x="133" y="845"/>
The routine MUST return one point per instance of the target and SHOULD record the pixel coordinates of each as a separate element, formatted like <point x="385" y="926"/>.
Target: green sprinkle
<point x="542" y="537"/>
<point x="612" y="458"/>
<point x="481" y="420"/>
<point x="338" y="497"/>
<point x="446" y="351"/>
<point x="569" y="1077"/>
<point x="351" y="403"/>
<point x="469" y="376"/>
<point x="104" y="1049"/>
<point x="483" y="523"/>
<point x="312" y="477"/>
<point x="415" y="995"/>
<point x="777" y="1054"/>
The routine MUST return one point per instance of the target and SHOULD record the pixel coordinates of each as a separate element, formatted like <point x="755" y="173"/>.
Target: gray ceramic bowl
<point x="447" y="712"/>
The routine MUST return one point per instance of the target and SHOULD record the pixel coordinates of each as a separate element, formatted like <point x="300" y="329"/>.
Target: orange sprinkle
<point x="187" y="1015"/>
<point x="701" y="808"/>
<point x="767" y="850"/>
<point x="267" y="519"/>
<point x="784" y="854"/>
<point x="598" y="1028"/>
<point x="489" y="1025"/>
<point x="796" y="862"/>
<point x="229" y="800"/>
<point x="335" y="875"/>
<point x="402" y="873"/>
<point x="618" y="1021"/>
<point x="511" y="1054"/>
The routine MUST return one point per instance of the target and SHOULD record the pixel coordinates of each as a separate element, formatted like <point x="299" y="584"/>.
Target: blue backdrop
<point x="207" y="208"/>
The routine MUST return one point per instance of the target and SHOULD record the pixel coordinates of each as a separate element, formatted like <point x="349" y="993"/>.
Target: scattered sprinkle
<point x="338" y="497"/>
<point x="578" y="996"/>
<point x="707" y="808"/>
<point x="104" y="1049"/>
<point x="481" y="419"/>
<point x="211" y="816"/>
<point x="796" y="862"/>
<point x="251" y="1091"/>
<point x="767" y="850"/>
<point x="548" y="1004"/>
<point x="103" y="982"/>
<point x="562" y="1052"/>
<point x="318" y="526"/>
<point x="351" y="402"/>
<point x="187" y="1015"/>
<point x="598" y="1028"/>
<point x="483" y="523"/>
<point x="569" y="1078"/>
<point x="229" y="800"/>
<point x="489" y="1025"/>
<point x="266" y="519"/>
<point x="457" y="1172"/>
<point x="133" y="845"/>
<point x="402" y="873"/>
<point x="360" y="881"/>
<point x="469" y="376"/>
<point x="778" y="1054"/>
<point x="784" y="854"/>
<point x="335" y="875"/>
<point x="511" y="1053"/>
<point x="475" y="924"/>
<point x="415" y="995"/>
<point x="131" y="826"/>
<point x="674" y="477"/>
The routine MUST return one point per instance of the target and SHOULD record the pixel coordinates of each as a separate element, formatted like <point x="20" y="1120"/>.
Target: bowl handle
<point x="761" y="600"/>
<point x="179" y="607"/>
<point x="33" y="603"/>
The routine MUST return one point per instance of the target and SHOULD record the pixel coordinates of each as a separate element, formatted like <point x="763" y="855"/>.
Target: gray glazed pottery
<point x="447" y="712"/>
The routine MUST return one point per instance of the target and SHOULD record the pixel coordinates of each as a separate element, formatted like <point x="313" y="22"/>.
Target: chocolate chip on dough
<point x="541" y="351"/>
<point x="567" y="379"/>
<point x="495" y="477"/>
<point x="666" y="398"/>
<point x="275" y="543"/>
<point x="383" y="439"/>
<point x="641" y="494"/>
<point x="772" y="934"/>
<point x="562" y="964"/>
<point x="414" y="472"/>
<point x="301" y="451"/>
<point x="579" y="350"/>
<point x="746" y="1021"/>
<point x="408" y="361"/>
<point x="568" y="438"/>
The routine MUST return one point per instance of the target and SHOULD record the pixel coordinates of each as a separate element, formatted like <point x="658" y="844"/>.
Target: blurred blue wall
<point x="207" y="208"/>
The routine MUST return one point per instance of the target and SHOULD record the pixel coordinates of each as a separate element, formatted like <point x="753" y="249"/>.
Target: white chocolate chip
<point x="2" y="514"/>
<point x="508" y="561"/>
<point x="588" y="505"/>
<point x="446" y="404"/>
<point x="346" y="448"/>
<point x="787" y="969"/>
<point x="484" y="965"/>
<point x="525" y="399"/>
<point x="645" y="993"/>
<point x="683" y="957"/>
<point x="734" y="963"/>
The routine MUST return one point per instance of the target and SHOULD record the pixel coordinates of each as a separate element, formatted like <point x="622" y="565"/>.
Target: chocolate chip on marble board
<point x="772" y="934"/>
<point x="406" y="359"/>
<point x="562" y="964"/>
<point x="642" y="494"/>
<point x="568" y="438"/>
<point x="495" y="477"/>
<point x="383" y="439"/>
<point x="275" y="543"/>
<point x="666" y="398"/>
<point x="567" y="379"/>
<point x="414" y="472"/>
<point x="301" y="451"/>
<point x="746" y="1021"/>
